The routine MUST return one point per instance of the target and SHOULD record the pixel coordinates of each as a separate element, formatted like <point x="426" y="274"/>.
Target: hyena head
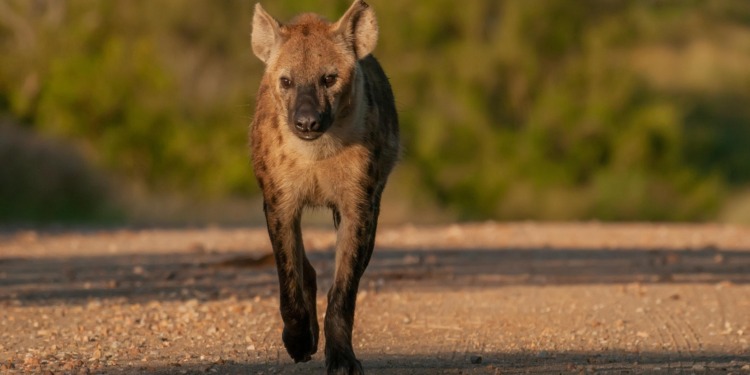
<point x="311" y="67"/>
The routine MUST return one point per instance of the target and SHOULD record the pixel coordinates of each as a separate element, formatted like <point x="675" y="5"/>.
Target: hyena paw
<point x="342" y="364"/>
<point x="300" y="342"/>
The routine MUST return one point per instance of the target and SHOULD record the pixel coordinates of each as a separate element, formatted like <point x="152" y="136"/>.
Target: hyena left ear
<point x="266" y="34"/>
<point x="359" y="27"/>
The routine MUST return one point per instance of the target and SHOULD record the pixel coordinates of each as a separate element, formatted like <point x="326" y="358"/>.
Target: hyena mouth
<point x="309" y="136"/>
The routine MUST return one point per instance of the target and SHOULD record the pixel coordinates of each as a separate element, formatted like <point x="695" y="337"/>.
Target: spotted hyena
<point x="325" y="134"/>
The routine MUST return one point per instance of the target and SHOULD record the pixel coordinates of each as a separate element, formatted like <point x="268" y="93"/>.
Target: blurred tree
<point x="534" y="110"/>
<point x="550" y="109"/>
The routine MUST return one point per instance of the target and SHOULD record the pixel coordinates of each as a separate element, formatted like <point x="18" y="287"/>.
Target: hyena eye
<point x="329" y="80"/>
<point x="285" y="82"/>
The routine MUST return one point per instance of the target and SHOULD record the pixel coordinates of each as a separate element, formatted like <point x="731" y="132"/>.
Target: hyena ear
<point x="266" y="35"/>
<point x="359" y="27"/>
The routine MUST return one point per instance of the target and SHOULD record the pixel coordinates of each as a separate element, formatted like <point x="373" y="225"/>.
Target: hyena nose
<point x="307" y="121"/>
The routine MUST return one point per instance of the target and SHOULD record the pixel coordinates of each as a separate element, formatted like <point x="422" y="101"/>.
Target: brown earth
<point x="461" y="299"/>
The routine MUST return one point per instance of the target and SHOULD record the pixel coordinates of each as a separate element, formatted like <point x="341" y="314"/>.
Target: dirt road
<point x="471" y="299"/>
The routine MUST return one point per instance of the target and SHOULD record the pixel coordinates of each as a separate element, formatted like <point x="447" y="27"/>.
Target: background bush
<point x="611" y="110"/>
<point x="43" y="179"/>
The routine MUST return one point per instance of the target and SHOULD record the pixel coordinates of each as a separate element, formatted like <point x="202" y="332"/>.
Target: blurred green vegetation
<point x="552" y="109"/>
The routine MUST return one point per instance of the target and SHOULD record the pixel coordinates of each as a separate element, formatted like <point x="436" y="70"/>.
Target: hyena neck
<point x="347" y="130"/>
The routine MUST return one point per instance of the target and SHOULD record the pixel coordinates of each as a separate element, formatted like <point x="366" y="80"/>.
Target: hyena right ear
<point x="266" y="35"/>
<point x="359" y="27"/>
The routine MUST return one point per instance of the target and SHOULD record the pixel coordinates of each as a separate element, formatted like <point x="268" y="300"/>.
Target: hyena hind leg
<point x="336" y="217"/>
<point x="311" y="291"/>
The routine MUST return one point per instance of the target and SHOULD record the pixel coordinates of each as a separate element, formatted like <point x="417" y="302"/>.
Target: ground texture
<point x="461" y="299"/>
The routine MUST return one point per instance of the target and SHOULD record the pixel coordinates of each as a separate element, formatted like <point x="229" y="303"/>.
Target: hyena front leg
<point x="297" y="286"/>
<point x="354" y="245"/>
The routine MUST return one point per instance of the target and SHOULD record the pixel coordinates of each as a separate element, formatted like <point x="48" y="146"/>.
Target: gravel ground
<point x="483" y="298"/>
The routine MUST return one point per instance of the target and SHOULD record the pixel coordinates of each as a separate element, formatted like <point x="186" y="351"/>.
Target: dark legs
<point x="297" y="286"/>
<point x="311" y="291"/>
<point x="354" y="245"/>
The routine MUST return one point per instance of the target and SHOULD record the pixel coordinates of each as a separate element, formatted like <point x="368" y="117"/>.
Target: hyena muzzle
<point x="324" y="134"/>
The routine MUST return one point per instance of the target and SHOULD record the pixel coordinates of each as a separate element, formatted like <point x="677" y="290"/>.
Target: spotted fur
<point x="325" y="134"/>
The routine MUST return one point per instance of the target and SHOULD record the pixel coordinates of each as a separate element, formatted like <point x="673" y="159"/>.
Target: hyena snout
<point x="308" y="121"/>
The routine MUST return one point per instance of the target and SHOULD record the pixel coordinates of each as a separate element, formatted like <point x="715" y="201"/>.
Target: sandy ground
<point x="462" y="299"/>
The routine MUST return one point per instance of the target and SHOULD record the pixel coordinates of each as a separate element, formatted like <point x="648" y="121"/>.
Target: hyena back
<point x="325" y="134"/>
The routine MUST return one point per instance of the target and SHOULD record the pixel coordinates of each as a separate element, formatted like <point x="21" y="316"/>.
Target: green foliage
<point x="549" y="109"/>
<point x="535" y="110"/>
<point x="157" y="92"/>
